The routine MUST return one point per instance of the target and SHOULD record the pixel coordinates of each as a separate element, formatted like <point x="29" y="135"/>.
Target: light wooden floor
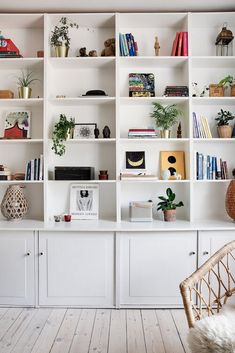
<point x="92" y="331"/>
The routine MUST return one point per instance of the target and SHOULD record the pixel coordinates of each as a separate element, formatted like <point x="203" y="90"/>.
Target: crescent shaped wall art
<point x="135" y="160"/>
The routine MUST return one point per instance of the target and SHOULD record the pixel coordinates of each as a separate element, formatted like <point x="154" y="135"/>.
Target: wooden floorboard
<point x="48" y="330"/>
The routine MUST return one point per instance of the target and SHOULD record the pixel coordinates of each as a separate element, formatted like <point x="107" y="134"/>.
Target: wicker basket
<point x="233" y="90"/>
<point x="216" y="90"/>
<point x="230" y="200"/>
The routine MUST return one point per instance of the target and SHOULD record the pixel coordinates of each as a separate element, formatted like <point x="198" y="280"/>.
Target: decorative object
<point x="84" y="201"/>
<point x="141" y="211"/>
<point x="174" y="162"/>
<point x="6" y="94"/>
<point x="223" y="127"/>
<point x="24" y="81"/>
<point x="179" y="131"/>
<point x="60" y="39"/>
<point x="92" y="53"/>
<point x="60" y="96"/>
<point x="67" y="217"/>
<point x="84" y="130"/>
<point x="141" y="85"/>
<point x="103" y="175"/>
<point x="157" y="47"/>
<point x="233" y="133"/>
<point x="109" y="47"/>
<point x="74" y="173"/>
<point x="106" y="132"/>
<point x="14" y="205"/>
<point x="223" y="42"/>
<point x="5" y="173"/>
<point x="168" y="206"/>
<point x="94" y="92"/>
<point x="57" y="218"/>
<point x="135" y="160"/>
<point x="217" y="90"/>
<point x="40" y="53"/>
<point x="8" y="49"/>
<point x="82" y="52"/>
<point x="17" y="124"/>
<point x="62" y="131"/>
<point x="230" y="200"/>
<point x="96" y="132"/>
<point x="165" y="174"/>
<point x="18" y="176"/>
<point x="165" y="117"/>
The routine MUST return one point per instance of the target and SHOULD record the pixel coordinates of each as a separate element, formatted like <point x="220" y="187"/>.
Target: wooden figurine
<point x="179" y="131"/>
<point x="157" y="46"/>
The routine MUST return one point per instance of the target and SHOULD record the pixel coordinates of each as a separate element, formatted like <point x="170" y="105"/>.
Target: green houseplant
<point x="168" y="206"/>
<point x="60" y="39"/>
<point x="62" y="130"/>
<point x="165" y="117"/>
<point x="217" y="90"/>
<point x="24" y="81"/>
<point x="223" y="127"/>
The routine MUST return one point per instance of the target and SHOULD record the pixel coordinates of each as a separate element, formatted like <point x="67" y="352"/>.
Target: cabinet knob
<point x="205" y="252"/>
<point x="28" y="253"/>
<point x="41" y="253"/>
<point x="192" y="253"/>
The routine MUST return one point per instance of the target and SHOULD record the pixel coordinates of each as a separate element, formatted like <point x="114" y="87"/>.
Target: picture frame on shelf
<point x="84" y="201"/>
<point x="17" y="124"/>
<point x="84" y="130"/>
<point x="174" y="161"/>
<point x="135" y="160"/>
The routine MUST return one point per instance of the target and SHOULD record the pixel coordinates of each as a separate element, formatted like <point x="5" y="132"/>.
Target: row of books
<point x="210" y="168"/>
<point x="127" y="44"/>
<point x="180" y="44"/>
<point x="176" y="91"/>
<point x="201" y="127"/>
<point x="34" y="169"/>
<point x="142" y="133"/>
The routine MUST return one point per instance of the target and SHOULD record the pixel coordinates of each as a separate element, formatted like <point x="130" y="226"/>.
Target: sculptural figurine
<point x="96" y="132"/>
<point x="106" y="132"/>
<point x="165" y="174"/>
<point x="157" y="47"/>
<point x="179" y="131"/>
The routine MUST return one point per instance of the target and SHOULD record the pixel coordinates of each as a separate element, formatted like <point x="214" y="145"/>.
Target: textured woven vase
<point x="230" y="200"/>
<point x="14" y="205"/>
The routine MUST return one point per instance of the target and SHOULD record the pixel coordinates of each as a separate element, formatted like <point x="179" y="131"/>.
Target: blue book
<point x="200" y="166"/>
<point x="121" y="45"/>
<point x="128" y="39"/>
<point x="211" y="174"/>
<point x="133" y="44"/>
<point x="213" y="168"/>
<point x="208" y="168"/>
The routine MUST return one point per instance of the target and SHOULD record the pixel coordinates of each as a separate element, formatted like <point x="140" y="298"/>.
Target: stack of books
<point x="142" y="133"/>
<point x="5" y="173"/>
<point x="176" y="91"/>
<point x="201" y="127"/>
<point x="127" y="44"/>
<point x="34" y="169"/>
<point x="180" y="44"/>
<point x="210" y="168"/>
<point x="137" y="176"/>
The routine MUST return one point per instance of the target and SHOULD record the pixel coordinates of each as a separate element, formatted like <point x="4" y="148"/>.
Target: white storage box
<point x="141" y="211"/>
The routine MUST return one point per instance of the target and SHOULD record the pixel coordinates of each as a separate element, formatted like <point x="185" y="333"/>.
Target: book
<point x="179" y="47"/>
<point x="185" y="44"/>
<point x="174" y="46"/>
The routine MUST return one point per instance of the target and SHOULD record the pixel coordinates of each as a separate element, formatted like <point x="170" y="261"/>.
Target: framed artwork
<point x="174" y="162"/>
<point x="85" y="130"/>
<point x="84" y="201"/>
<point x="141" y="85"/>
<point x="135" y="160"/>
<point x="17" y="124"/>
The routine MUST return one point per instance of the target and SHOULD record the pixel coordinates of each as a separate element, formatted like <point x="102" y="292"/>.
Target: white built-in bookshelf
<point x="73" y="76"/>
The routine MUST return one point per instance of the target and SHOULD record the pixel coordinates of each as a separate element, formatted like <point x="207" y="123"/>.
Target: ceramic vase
<point x="169" y="215"/>
<point x="61" y="51"/>
<point x="230" y="200"/>
<point x="24" y="92"/>
<point x="14" y="205"/>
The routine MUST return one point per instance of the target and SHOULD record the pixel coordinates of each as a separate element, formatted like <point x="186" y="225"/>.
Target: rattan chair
<point x="207" y="289"/>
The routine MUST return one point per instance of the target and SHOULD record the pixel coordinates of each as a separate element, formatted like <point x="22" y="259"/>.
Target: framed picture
<point x="85" y="130"/>
<point x="17" y="124"/>
<point x="135" y="160"/>
<point x="84" y="201"/>
<point x="141" y="85"/>
<point x="174" y="162"/>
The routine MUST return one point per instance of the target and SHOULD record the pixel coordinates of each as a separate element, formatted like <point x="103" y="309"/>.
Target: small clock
<point x="85" y="131"/>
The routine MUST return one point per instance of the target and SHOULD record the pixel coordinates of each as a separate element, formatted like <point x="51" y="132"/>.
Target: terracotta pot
<point x="230" y="200"/>
<point x="169" y="215"/>
<point x="225" y="131"/>
<point x="14" y="205"/>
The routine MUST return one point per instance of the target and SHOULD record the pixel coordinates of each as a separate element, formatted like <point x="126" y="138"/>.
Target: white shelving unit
<point x="74" y="76"/>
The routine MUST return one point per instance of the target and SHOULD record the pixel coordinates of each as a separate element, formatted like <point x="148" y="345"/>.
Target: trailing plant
<point x="26" y="79"/>
<point x="226" y="81"/>
<point x="223" y="118"/>
<point x="165" y="117"/>
<point x="60" y="34"/>
<point x="60" y="134"/>
<point x="167" y="203"/>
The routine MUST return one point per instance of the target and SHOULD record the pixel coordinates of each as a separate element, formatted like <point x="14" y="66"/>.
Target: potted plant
<point x="24" y="81"/>
<point x="223" y="127"/>
<point x="168" y="206"/>
<point x="63" y="130"/>
<point x="217" y="90"/>
<point x="165" y="117"/>
<point x="60" y="39"/>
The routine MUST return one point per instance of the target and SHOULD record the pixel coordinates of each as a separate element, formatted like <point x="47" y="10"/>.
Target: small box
<point x="141" y="211"/>
<point x="6" y="94"/>
<point x="74" y="173"/>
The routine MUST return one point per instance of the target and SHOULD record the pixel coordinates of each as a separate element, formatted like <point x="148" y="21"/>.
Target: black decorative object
<point x="74" y="173"/>
<point x="179" y="131"/>
<point x="135" y="160"/>
<point x="95" y="92"/>
<point x="106" y="132"/>
<point x="96" y="132"/>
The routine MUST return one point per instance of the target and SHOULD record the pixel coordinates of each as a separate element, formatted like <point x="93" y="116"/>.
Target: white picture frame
<point x="84" y="130"/>
<point x="84" y="201"/>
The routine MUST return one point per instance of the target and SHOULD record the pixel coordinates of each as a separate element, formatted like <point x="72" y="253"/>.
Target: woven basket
<point x="230" y="200"/>
<point x="233" y="90"/>
<point x="216" y="90"/>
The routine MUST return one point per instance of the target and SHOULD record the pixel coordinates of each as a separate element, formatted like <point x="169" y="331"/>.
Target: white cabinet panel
<point x="76" y="268"/>
<point x="17" y="268"/>
<point x="152" y="265"/>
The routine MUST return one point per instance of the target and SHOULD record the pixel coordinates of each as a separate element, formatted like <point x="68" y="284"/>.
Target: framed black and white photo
<point x="84" y="201"/>
<point x="85" y="130"/>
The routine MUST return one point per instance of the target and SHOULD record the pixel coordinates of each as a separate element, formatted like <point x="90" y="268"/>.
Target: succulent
<point x="223" y="118"/>
<point x="168" y="203"/>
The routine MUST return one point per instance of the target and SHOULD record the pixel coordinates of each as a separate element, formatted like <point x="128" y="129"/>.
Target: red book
<point x="185" y="44"/>
<point x="174" y="46"/>
<point x="142" y="130"/>
<point x="180" y="40"/>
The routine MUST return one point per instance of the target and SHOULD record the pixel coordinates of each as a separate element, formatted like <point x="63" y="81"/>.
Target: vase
<point x="225" y="131"/>
<point x="169" y="215"/>
<point x="165" y="134"/>
<point x="24" y="92"/>
<point x="14" y="205"/>
<point x="61" y="51"/>
<point x="230" y="200"/>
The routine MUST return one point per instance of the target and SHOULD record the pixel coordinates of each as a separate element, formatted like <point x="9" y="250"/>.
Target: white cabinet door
<point x="17" y="286"/>
<point x="152" y="265"/>
<point x="211" y="241"/>
<point x="76" y="268"/>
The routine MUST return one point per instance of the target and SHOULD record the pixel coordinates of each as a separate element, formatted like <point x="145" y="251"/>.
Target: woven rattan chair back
<point x="207" y="289"/>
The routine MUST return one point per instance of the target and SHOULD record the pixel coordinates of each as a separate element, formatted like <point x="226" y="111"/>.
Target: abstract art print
<point x="17" y="124"/>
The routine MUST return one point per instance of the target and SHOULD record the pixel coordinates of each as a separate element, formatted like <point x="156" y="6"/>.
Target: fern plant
<point x="60" y="134"/>
<point x="165" y="117"/>
<point x="223" y="118"/>
<point x="168" y="203"/>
